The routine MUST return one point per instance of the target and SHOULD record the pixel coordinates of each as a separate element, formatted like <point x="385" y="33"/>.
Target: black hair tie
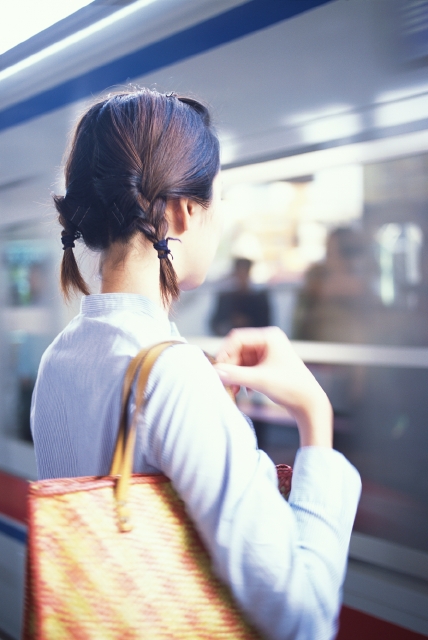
<point x="162" y="248"/>
<point x="68" y="239"/>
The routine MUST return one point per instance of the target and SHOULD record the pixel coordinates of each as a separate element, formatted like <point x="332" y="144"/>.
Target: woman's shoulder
<point x="189" y="413"/>
<point x="184" y="378"/>
<point x="63" y="341"/>
<point x="185" y="364"/>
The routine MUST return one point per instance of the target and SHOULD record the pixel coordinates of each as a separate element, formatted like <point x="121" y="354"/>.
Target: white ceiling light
<point x="75" y="37"/>
<point x="331" y="128"/>
<point x="22" y="19"/>
<point x="309" y="163"/>
<point x="330" y="123"/>
<point x="400" y="112"/>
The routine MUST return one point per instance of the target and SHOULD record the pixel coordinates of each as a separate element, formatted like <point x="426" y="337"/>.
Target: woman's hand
<point x="265" y="361"/>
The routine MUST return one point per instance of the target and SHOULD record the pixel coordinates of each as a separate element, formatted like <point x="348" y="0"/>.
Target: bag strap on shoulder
<point x="123" y="456"/>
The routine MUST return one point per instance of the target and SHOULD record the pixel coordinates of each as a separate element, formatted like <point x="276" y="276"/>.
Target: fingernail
<point x="221" y="372"/>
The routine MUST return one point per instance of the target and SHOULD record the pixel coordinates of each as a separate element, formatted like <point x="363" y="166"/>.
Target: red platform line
<point x="13" y="497"/>
<point x="355" y="625"/>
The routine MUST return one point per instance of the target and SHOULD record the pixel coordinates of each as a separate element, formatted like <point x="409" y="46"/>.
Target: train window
<point x="341" y="256"/>
<point x="29" y="319"/>
<point x="338" y="258"/>
<point x="380" y="425"/>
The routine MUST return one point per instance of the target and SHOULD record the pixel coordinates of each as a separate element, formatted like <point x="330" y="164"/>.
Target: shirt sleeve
<point x="284" y="562"/>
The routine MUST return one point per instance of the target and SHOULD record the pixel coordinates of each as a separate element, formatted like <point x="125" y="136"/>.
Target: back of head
<point x="131" y="153"/>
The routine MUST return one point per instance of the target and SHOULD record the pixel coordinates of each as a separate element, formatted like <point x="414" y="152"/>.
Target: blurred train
<point x="322" y="111"/>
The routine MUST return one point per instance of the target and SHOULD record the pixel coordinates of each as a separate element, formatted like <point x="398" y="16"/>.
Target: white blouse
<point x="284" y="562"/>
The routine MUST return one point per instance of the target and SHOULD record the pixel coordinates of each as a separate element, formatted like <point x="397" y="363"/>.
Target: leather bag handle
<point x="123" y="457"/>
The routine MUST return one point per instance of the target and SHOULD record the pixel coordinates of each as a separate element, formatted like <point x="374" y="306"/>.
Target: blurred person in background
<point x="241" y="305"/>
<point x="333" y="300"/>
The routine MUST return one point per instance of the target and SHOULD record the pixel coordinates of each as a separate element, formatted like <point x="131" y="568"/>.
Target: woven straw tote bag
<point x="117" y="558"/>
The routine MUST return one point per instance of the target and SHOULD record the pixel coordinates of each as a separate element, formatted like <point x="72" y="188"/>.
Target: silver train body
<point x="297" y="88"/>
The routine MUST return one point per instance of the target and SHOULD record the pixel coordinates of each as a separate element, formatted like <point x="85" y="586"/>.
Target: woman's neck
<point x="131" y="269"/>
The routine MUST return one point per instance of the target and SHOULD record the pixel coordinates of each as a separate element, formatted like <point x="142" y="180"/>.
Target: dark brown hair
<point x="132" y="152"/>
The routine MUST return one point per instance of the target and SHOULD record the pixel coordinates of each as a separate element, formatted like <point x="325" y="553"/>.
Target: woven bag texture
<point x="86" y="580"/>
<point x="284" y="473"/>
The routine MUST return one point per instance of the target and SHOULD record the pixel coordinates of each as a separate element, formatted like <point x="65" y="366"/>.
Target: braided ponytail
<point x="130" y="154"/>
<point x="70" y="276"/>
<point x="156" y="232"/>
<point x="168" y="281"/>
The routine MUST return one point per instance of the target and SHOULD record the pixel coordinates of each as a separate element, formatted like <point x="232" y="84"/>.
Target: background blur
<point x="322" y="111"/>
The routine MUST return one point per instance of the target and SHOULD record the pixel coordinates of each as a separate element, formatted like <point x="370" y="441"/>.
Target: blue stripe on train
<point x="214" y="32"/>
<point x="10" y="530"/>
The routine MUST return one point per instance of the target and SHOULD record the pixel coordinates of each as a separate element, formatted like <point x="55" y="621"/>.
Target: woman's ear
<point x="178" y="212"/>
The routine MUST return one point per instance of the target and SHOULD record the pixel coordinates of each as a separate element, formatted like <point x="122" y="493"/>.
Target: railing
<point x="341" y="353"/>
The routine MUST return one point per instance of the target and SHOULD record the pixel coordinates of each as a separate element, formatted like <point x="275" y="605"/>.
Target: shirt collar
<point x="101" y="303"/>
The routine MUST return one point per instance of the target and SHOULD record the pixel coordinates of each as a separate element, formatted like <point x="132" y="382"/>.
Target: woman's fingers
<point x="249" y="347"/>
<point x="264" y="360"/>
<point x="231" y="375"/>
<point x="255" y="358"/>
